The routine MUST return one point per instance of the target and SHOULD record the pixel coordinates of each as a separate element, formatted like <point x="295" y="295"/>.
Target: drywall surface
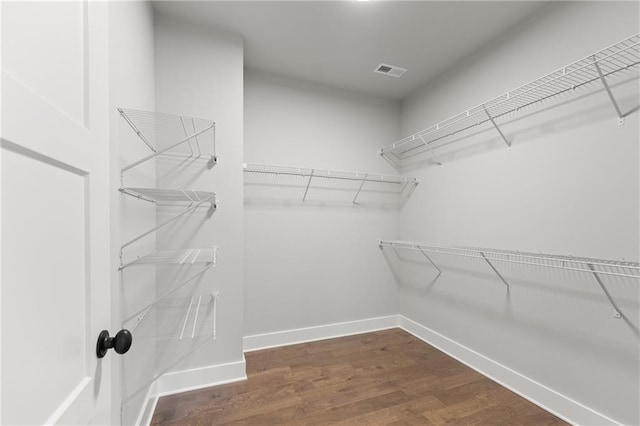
<point x="315" y="262"/>
<point x="199" y="73"/>
<point x="131" y="73"/>
<point x="569" y="185"/>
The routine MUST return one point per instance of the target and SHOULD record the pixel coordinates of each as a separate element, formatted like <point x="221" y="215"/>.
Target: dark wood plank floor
<point x="382" y="378"/>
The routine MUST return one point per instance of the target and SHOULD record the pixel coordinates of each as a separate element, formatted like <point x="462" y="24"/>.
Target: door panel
<point x="44" y="272"/>
<point x="44" y="49"/>
<point x="54" y="198"/>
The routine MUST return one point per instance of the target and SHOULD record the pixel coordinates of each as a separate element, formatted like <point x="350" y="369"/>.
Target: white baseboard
<point x="321" y="332"/>
<point x="146" y="412"/>
<point x="554" y="402"/>
<point x="203" y="377"/>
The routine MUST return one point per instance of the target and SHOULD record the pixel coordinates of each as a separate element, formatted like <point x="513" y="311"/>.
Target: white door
<point x="55" y="291"/>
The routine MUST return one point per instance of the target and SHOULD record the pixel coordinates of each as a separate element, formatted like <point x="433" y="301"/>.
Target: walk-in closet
<point x="358" y="212"/>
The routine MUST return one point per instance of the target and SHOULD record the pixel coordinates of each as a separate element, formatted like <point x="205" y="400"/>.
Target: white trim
<point x="310" y="334"/>
<point x="146" y="411"/>
<point x="554" y="402"/>
<point x="202" y="377"/>
<point x="68" y="401"/>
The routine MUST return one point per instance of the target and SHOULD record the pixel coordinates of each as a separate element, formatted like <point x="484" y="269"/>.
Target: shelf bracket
<point x="136" y="130"/>
<point x="608" y="89"/>
<point x="184" y="128"/>
<point x="360" y="188"/>
<point x="393" y="163"/>
<point x="616" y="310"/>
<point x="307" y="189"/>
<point x="140" y="318"/>
<point x="138" y="196"/>
<point x="214" y="296"/>
<point x="186" y="318"/>
<point x="190" y="209"/>
<point x="504" y="138"/>
<point x="141" y="313"/>
<point x="435" y="157"/>
<point x="162" y="151"/>
<point x="414" y="185"/>
<point x="495" y="270"/>
<point x="430" y="261"/>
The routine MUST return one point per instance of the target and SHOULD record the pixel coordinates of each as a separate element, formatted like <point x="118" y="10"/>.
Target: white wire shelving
<point x="168" y="317"/>
<point x="398" y="184"/>
<point x="595" y="267"/>
<point x="159" y="195"/>
<point x="176" y="318"/>
<point x="189" y="318"/>
<point x="610" y="61"/>
<point x="192" y="199"/>
<point x="177" y="257"/>
<point x="172" y="135"/>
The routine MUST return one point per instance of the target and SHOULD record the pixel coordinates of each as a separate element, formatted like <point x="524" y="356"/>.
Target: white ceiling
<point x="338" y="43"/>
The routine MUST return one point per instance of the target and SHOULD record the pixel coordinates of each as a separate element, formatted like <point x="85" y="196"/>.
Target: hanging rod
<point x="595" y="267"/>
<point x="163" y="133"/>
<point x="594" y="68"/>
<point x="376" y="178"/>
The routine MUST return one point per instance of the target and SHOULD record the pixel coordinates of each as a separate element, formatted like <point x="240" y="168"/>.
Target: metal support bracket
<point x="435" y="157"/>
<point x="608" y="89"/>
<point x="616" y="310"/>
<point x="364" y="179"/>
<point x="430" y="261"/>
<point x="136" y="130"/>
<point x="308" y="183"/>
<point x="394" y="164"/>
<point x="504" y="138"/>
<point x="192" y="207"/>
<point x="138" y="196"/>
<point x="495" y="270"/>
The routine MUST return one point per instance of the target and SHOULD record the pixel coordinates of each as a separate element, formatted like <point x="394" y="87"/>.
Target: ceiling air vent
<point x="390" y="70"/>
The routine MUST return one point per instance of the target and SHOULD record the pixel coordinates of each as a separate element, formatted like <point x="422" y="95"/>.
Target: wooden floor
<point x="382" y="378"/>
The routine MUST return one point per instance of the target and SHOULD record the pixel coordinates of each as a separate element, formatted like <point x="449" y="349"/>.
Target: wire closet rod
<point x="326" y="173"/>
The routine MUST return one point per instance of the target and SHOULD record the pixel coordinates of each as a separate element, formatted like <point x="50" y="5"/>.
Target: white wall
<point x="131" y="85"/>
<point x="199" y="73"/>
<point x="314" y="263"/>
<point x="570" y="185"/>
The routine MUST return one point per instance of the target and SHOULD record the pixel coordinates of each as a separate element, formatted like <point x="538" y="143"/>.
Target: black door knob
<point x="121" y="342"/>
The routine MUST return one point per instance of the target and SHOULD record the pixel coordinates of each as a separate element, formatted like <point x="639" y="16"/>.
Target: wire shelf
<point x="595" y="267"/>
<point x="195" y="199"/>
<point x="158" y="195"/>
<point x="614" y="59"/>
<point x="178" y="257"/>
<point x="176" y="318"/>
<point x="172" y="135"/>
<point x="193" y="319"/>
<point x="400" y="183"/>
<point x="572" y="263"/>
